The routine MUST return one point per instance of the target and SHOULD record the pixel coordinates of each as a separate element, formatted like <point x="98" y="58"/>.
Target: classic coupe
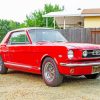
<point x="45" y="51"/>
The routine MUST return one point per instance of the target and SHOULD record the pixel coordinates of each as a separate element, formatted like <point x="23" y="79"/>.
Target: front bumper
<point x="80" y="64"/>
<point x="79" y="68"/>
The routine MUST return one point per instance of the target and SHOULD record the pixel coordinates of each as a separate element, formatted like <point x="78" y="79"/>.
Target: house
<point x="91" y="18"/>
<point x="86" y="18"/>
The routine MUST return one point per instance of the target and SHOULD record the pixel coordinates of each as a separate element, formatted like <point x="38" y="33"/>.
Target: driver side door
<point x="19" y="49"/>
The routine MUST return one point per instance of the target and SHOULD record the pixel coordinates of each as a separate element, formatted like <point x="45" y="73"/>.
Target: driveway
<point x="24" y="86"/>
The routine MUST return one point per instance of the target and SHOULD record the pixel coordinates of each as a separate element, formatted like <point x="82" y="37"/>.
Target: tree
<point x="36" y="19"/>
<point x="8" y="25"/>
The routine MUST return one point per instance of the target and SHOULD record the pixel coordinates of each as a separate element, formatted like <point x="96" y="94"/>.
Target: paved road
<point x="24" y="86"/>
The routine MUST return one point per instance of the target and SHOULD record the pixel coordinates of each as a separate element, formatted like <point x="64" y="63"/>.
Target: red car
<point x="45" y="51"/>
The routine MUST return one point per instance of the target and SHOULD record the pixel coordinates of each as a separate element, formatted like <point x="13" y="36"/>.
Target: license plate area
<point x="96" y="69"/>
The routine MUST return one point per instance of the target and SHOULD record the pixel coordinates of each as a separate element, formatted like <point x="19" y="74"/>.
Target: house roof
<point x="63" y="13"/>
<point x="75" y="13"/>
<point x="91" y="11"/>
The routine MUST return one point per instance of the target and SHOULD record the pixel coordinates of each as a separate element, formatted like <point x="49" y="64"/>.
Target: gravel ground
<point x="24" y="86"/>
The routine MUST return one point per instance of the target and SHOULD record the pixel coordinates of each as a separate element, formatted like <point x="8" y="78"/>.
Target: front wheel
<point x="3" y="69"/>
<point x="50" y="73"/>
<point x="92" y="76"/>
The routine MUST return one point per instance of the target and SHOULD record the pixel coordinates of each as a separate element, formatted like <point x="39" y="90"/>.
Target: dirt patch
<point x="24" y="86"/>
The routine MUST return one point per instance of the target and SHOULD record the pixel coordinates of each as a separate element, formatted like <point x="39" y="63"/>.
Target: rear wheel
<point x="50" y="73"/>
<point x="92" y="76"/>
<point x="3" y="69"/>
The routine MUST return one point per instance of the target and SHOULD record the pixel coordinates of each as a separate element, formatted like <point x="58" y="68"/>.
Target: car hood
<point x="83" y="46"/>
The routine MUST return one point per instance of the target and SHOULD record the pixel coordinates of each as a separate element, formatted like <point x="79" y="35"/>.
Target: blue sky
<point x="17" y="9"/>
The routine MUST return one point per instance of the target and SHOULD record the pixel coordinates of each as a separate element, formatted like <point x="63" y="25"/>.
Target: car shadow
<point x="70" y="79"/>
<point x="67" y="79"/>
<point x="80" y="80"/>
<point x="14" y="72"/>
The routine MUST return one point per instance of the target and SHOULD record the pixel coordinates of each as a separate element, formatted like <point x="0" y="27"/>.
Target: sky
<point x="18" y="9"/>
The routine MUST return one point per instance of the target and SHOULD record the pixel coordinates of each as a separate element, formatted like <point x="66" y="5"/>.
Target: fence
<point x="82" y="35"/>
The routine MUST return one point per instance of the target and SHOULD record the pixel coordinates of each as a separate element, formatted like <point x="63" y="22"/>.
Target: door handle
<point x="4" y="48"/>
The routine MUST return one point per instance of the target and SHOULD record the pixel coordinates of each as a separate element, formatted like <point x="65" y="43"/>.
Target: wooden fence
<point x="82" y="35"/>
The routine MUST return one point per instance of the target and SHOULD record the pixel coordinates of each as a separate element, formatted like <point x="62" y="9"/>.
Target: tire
<point x="92" y="76"/>
<point x="50" y="73"/>
<point x="3" y="69"/>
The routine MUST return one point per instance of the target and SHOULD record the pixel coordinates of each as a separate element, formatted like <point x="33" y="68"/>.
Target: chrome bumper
<point x="80" y="64"/>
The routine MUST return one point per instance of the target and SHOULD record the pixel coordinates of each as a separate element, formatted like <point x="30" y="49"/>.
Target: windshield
<point x="39" y="35"/>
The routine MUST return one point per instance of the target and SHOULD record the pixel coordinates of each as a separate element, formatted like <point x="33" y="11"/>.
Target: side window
<point x="18" y="38"/>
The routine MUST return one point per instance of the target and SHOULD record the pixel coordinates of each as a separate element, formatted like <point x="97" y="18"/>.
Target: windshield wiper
<point x="60" y="41"/>
<point x="43" y="41"/>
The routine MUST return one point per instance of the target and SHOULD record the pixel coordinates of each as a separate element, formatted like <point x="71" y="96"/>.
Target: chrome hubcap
<point x="49" y="72"/>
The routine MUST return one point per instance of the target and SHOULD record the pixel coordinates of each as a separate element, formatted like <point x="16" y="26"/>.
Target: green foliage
<point x="19" y="38"/>
<point x="36" y="19"/>
<point x="8" y="25"/>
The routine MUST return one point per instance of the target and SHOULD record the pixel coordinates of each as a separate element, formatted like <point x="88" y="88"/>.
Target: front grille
<point x="92" y="54"/>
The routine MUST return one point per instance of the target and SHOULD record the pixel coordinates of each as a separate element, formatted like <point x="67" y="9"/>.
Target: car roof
<point x="29" y="28"/>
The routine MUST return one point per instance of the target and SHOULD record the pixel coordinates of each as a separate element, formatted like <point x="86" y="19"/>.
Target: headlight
<point x="70" y="54"/>
<point x="85" y="53"/>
